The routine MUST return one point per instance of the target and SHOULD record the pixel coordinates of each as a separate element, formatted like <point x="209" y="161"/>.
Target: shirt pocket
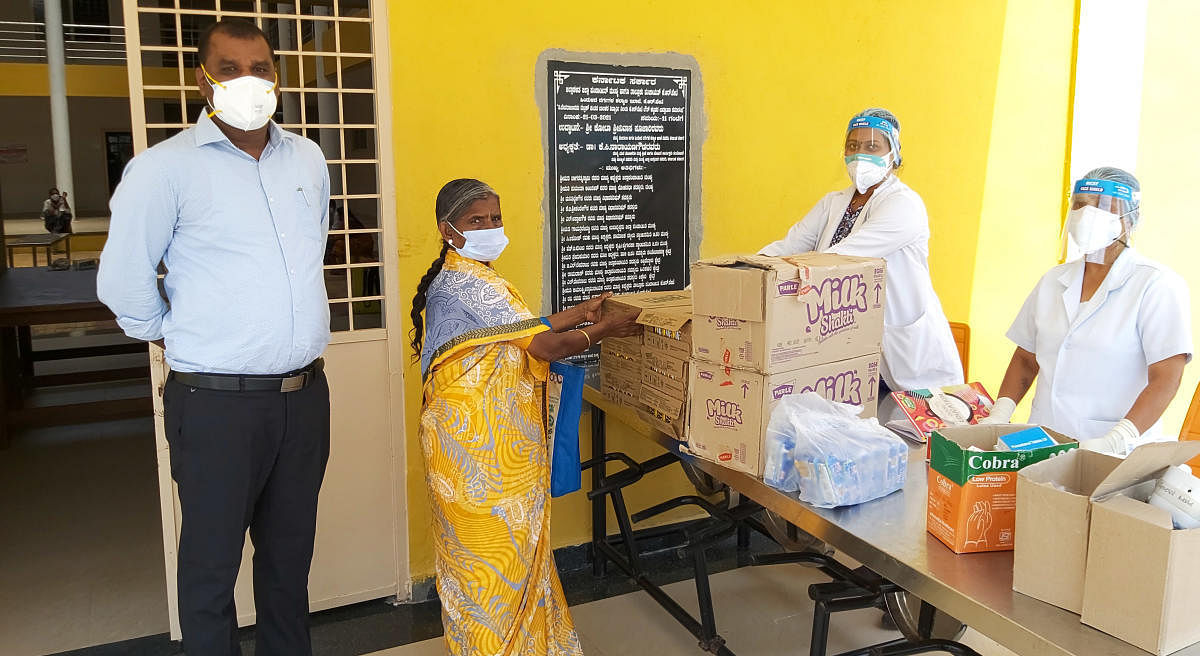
<point x="308" y="214"/>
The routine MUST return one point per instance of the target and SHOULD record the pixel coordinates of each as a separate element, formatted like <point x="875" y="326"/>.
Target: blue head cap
<point x="884" y="121"/>
<point x="1115" y="183"/>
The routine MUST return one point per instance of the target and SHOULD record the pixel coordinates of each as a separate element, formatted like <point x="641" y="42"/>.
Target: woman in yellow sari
<point x="484" y="362"/>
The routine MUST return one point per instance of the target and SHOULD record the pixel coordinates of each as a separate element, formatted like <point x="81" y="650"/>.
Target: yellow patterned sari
<point x="488" y="469"/>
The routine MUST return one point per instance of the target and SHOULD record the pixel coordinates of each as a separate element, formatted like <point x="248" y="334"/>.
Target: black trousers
<point x="246" y="460"/>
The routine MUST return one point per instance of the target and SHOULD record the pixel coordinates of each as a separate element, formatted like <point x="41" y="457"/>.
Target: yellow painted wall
<point x="780" y="82"/>
<point x="97" y="81"/>
<point x="1167" y="165"/>
<point x="1026" y="183"/>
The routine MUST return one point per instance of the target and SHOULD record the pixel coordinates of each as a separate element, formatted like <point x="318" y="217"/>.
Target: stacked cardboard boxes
<point x="768" y="327"/>
<point x="666" y="346"/>
<point x="649" y="373"/>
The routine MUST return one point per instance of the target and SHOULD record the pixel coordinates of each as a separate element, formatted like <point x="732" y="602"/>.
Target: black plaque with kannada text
<point x="619" y="173"/>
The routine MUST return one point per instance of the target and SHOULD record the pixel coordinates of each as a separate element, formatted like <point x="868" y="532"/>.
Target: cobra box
<point x="729" y="408"/>
<point x="775" y="314"/>
<point x="973" y="493"/>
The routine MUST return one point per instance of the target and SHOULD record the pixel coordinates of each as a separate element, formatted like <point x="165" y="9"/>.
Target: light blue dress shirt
<point x="243" y="242"/>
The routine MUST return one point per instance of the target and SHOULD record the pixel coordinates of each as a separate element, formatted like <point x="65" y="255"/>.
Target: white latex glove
<point x="1116" y="441"/>
<point x="1002" y="411"/>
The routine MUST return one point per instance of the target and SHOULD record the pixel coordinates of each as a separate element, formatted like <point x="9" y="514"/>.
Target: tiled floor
<point x="79" y="516"/>
<point x="81" y="558"/>
<point x="760" y="611"/>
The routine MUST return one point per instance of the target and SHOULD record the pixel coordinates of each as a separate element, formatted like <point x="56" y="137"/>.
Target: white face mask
<point x="1093" y="230"/>
<point x="245" y="103"/>
<point x="866" y="171"/>
<point x="482" y="245"/>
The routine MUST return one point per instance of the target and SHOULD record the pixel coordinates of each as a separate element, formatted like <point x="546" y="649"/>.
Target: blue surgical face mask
<point x="482" y="245"/>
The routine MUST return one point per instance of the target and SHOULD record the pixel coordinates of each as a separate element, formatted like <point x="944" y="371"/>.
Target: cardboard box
<point x="674" y="387"/>
<point x="620" y="362"/>
<point x="1143" y="576"/>
<point x="666" y="342"/>
<point x="620" y="374"/>
<point x="668" y="331"/>
<point x="663" y="411"/>
<point x="729" y="408"/>
<point x="629" y="348"/>
<point x="973" y="494"/>
<point x="1053" y="517"/>
<point x="664" y="389"/>
<point x="665" y="364"/>
<point x="774" y="314"/>
<point x="647" y="301"/>
<point x="640" y="303"/>
<point x="620" y="387"/>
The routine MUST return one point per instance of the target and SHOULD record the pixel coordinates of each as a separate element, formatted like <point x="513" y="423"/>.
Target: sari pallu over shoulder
<point x="469" y="305"/>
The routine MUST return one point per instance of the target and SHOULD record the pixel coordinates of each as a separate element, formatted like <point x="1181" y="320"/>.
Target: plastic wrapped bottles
<point x="828" y="454"/>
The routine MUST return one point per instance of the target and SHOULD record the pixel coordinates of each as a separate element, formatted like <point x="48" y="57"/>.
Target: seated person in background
<point x="880" y="216"/>
<point x="56" y="213"/>
<point x="1106" y="335"/>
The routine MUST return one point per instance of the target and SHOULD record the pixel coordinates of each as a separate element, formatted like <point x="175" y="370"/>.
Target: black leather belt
<point x="289" y="382"/>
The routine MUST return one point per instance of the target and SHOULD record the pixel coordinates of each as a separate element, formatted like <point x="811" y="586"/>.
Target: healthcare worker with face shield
<point x="880" y="216"/>
<point x="1107" y="334"/>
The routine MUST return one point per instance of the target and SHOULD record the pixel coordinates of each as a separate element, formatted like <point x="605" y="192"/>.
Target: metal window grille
<point x="326" y="64"/>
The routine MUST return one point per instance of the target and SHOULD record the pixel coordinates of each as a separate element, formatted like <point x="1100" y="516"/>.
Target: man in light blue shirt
<point x="236" y="210"/>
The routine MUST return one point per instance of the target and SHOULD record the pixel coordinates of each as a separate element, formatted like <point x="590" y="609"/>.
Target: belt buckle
<point x="293" y="383"/>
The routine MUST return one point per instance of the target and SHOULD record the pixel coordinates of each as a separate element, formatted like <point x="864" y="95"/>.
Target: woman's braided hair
<point x="454" y="199"/>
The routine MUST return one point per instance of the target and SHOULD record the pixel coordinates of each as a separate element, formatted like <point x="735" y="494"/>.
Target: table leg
<point x="599" y="519"/>
<point x="34" y="249"/>
<point x="68" y="241"/>
<point x="10" y="258"/>
<point x="25" y="356"/>
<point x="9" y="372"/>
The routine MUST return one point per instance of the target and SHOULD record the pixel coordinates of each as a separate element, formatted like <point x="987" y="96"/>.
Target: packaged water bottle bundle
<point x="829" y="455"/>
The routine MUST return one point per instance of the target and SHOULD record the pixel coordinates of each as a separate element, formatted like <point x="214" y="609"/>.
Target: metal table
<point x="34" y="242"/>
<point x="888" y="536"/>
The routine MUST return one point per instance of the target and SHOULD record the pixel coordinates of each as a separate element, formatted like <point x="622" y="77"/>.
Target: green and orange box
<point x="973" y="491"/>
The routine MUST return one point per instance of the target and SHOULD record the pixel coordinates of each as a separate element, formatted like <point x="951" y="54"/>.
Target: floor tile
<point x="85" y="552"/>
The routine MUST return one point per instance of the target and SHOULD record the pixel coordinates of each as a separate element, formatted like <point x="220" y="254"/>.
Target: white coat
<point x="1093" y="357"/>
<point x="918" y="347"/>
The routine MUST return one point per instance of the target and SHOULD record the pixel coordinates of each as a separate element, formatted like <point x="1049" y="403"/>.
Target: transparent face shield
<point x="1100" y="213"/>
<point x="873" y="139"/>
<point x="870" y="151"/>
<point x="867" y="144"/>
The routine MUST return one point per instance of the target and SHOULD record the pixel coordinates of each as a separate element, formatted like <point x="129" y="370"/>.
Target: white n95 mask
<point x="1092" y="229"/>
<point x="245" y="103"/>
<point x="482" y="245"/>
<point x="866" y="170"/>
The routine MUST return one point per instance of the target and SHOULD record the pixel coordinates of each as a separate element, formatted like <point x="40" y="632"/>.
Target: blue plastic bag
<point x="564" y="407"/>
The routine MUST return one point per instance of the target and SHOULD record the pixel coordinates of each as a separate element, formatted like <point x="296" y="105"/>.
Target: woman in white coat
<point x="880" y="216"/>
<point x="1106" y="335"/>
